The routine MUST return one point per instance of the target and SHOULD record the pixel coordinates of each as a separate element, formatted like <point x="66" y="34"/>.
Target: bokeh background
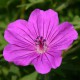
<point x="68" y="10"/>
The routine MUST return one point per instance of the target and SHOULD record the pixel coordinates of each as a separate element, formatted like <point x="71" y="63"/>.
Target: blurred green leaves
<point x="31" y="3"/>
<point x="68" y="10"/>
<point x="76" y="22"/>
<point x="5" y="3"/>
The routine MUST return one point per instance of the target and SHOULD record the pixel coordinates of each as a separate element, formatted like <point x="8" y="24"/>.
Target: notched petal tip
<point x="66" y="34"/>
<point x="16" y="23"/>
<point x="48" y="10"/>
<point x="52" y="11"/>
<point x="74" y="30"/>
<point x="68" y="26"/>
<point x="14" y="29"/>
<point x="41" y="65"/>
<point x="5" y="54"/>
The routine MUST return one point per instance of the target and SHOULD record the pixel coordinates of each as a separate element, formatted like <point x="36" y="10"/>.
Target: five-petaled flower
<point x="38" y="41"/>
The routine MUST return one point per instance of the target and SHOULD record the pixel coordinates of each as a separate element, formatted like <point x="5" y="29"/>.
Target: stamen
<point x="41" y="45"/>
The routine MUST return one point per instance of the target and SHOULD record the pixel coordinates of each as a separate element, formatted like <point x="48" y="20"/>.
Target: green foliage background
<point x="69" y="10"/>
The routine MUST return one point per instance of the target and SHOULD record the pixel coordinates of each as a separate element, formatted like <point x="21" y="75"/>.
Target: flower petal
<point x="63" y="37"/>
<point x="41" y="64"/>
<point x="54" y="58"/>
<point x="44" y="21"/>
<point x="17" y="31"/>
<point x="19" y="55"/>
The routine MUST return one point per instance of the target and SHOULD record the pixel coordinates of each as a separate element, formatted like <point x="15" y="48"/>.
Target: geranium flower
<point x="38" y="41"/>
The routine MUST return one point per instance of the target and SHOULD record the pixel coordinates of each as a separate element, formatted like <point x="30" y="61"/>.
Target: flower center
<point x="41" y="45"/>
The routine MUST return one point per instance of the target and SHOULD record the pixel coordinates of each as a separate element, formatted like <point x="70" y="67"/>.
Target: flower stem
<point x="22" y="10"/>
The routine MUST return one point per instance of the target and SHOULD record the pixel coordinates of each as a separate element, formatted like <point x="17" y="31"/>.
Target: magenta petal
<point x="54" y="58"/>
<point x="44" y="21"/>
<point x="18" y="31"/>
<point x="25" y="60"/>
<point x="19" y="55"/>
<point x="64" y="37"/>
<point x="42" y="64"/>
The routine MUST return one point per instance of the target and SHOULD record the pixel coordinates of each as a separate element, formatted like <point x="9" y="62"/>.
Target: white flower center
<point x="41" y="45"/>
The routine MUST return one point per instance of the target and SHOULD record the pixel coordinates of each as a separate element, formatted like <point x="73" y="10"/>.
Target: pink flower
<point x="38" y="41"/>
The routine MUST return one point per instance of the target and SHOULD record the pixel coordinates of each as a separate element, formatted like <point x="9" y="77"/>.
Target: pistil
<point x="41" y="45"/>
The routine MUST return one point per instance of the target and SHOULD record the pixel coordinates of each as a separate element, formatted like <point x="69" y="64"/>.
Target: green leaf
<point x="3" y="3"/>
<point x="61" y="7"/>
<point x="32" y="76"/>
<point x="14" y="77"/>
<point x="59" y="72"/>
<point x="5" y="71"/>
<point x="14" y="69"/>
<point x="34" y="1"/>
<point x="2" y="41"/>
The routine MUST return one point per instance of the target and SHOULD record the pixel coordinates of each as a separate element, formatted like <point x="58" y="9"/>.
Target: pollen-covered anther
<point x="41" y="46"/>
